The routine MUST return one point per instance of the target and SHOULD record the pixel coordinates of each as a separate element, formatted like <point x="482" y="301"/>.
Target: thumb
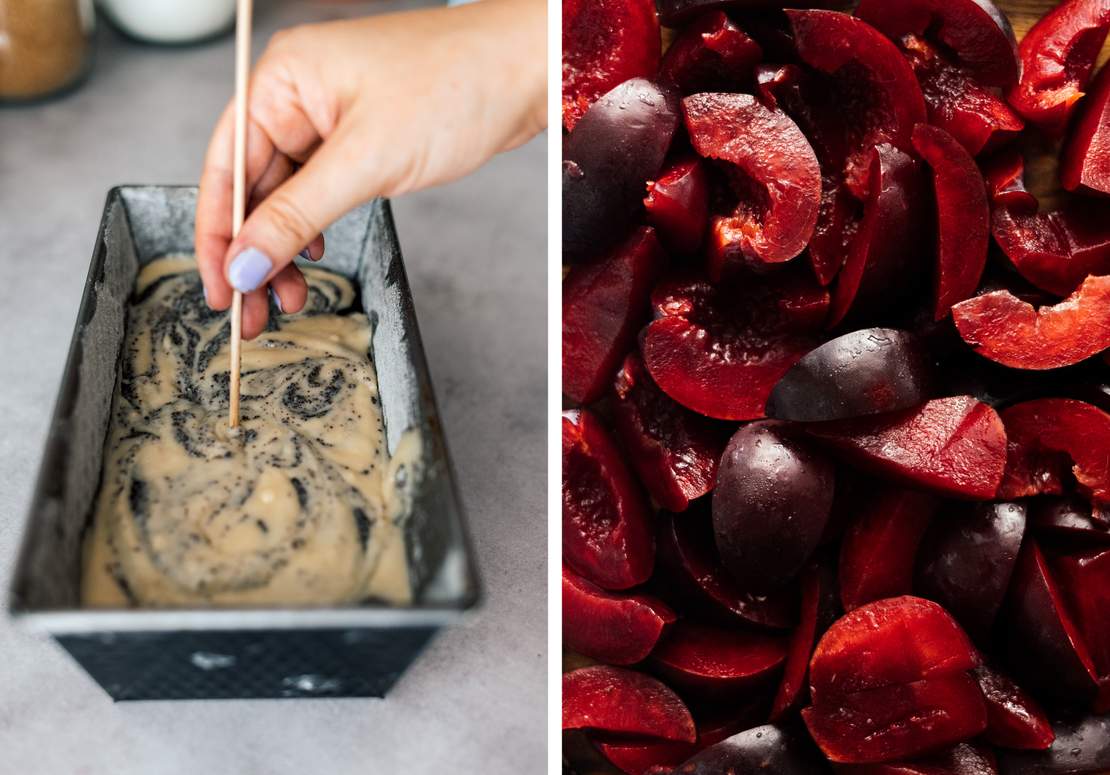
<point x="291" y="217"/>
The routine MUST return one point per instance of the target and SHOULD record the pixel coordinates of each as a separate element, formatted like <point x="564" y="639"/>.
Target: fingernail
<point x="249" y="269"/>
<point x="204" y="290"/>
<point x="277" y="301"/>
<point x="305" y="255"/>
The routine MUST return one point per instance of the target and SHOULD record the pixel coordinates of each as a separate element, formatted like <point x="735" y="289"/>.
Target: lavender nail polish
<point x="204" y="290"/>
<point x="249" y="269"/>
<point x="305" y="255"/>
<point x="277" y="301"/>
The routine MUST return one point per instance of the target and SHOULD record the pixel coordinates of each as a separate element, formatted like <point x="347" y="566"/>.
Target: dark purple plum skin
<point x="772" y="501"/>
<point x="1036" y="640"/>
<point x="1067" y="518"/>
<point x="770" y="748"/>
<point x="966" y="559"/>
<point x="869" y="371"/>
<point x="1081" y="748"/>
<point x="607" y="160"/>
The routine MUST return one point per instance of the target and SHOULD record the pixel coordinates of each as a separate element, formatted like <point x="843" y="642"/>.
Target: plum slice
<point x="710" y="54"/>
<point x="966" y="560"/>
<point x="782" y="750"/>
<point x="613" y="151"/>
<point x="617" y="629"/>
<point x="898" y="721"/>
<point x="871" y="82"/>
<point x="606" y="534"/>
<point x="1085" y="163"/>
<point x="636" y="757"/>
<point x="882" y="253"/>
<point x="1081" y="747"/>
<point x="605" y="42"/>
<point x="1039" y="633"/>
<point x="674" y="450"/>
<point x="788" y="696"/>
<point x="773" y="497"/>
<point x="715" y="662"/>
<point x="962" y="759"/>
<point x="1085" y="580"/>
<point x="957" y="103"/>
<point x="1054" y="250"/>
<point x="618" y="700"/>
<point x="955" y="446"/>
<point x="686" y="548"/>
<point x="1045" y="436"/>
<point x="677" y="204"/>
<point x="1003" y="328"/>
<point x="1068" y="518"/>
<point x="1058" y="55"/>
<point x="604" y="305"/>
<point x="878" y="550"/>
<point x="870" y="371"/>
<point x="895" y="641"/>
<point x="771" y="167"/>
<point x="719" y="350"/>
<point x="976" y="31"/>
<point x="1014" y="719"/>
<point x="642" y="757"/>
<point x="963" y="216"/>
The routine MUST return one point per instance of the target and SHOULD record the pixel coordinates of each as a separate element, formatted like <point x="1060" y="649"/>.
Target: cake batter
<point x="300" y="505"/>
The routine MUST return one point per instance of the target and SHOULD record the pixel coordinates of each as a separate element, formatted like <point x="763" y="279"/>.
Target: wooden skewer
<point x="239" y="184"/>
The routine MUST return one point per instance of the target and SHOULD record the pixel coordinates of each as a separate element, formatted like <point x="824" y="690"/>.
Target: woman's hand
<point x="346" y="111"/>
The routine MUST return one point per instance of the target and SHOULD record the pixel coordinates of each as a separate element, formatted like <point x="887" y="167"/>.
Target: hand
<point x="342" y="112"/>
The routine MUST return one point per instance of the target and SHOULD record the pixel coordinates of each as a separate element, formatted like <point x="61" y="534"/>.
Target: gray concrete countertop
<point x="475" y="700"/>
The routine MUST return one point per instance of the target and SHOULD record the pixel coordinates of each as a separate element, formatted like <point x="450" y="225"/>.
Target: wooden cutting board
<point x="1040" y="179"/>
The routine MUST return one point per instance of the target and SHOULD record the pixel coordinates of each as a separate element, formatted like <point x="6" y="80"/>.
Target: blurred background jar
<point x="45" y="47"/>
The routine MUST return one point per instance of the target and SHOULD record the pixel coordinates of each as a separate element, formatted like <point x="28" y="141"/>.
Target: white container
<point x="171" y="21"/>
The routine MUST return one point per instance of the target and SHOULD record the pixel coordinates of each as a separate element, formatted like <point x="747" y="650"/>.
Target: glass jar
<point x="45" y="46"/>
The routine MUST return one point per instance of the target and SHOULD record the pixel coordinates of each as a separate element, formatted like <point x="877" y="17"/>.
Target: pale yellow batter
<point x="299" y="507"/>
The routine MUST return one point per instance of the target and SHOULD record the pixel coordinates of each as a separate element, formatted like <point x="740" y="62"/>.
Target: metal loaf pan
<point x="146" y="654"/>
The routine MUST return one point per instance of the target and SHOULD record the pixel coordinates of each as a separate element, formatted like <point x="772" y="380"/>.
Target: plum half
<point x="773" y="497"/>
<point x="963" y="216"/>
<point x="953" y="446"/>
<point x="782" y="750"/>
<point x="1058" y="56"/>
<point x="899" y="640"/>
<point x="898" y="721"/>
<point x="1038" y="632"/>
<point x="870" y="371"/>
<point x="719" y="350"/>
<point x="606" y="534"/>
<point x="967" y="558"/>
<point x="1085" y="163"/>
<point x="1003" y="328"/>
<point x="877" y="551"/>
<point x="1051" y="440"/>
<point x="604" y="304"/>
<point x="675" y="451"/>
<point x="716" y="662"/>
<point x="1081" y="747"/>
<point x="617" y="700"/>
<point x="617" y="629"/>
<point x="687" y="550"/>
<point x="616" y="147"/>
<point x="605" y="42"/>
<point x="1054" y="250"/>
<point x="773" y="171"/>
<point x="976" y="31"/>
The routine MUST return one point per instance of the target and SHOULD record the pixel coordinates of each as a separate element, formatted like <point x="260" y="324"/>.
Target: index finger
<point x="213" y="217"/>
